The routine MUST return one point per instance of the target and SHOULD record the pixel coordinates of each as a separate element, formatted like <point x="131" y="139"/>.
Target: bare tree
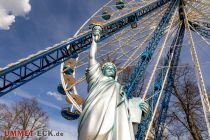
<point x="185" y="115"/>
<point x="23" y="115"/>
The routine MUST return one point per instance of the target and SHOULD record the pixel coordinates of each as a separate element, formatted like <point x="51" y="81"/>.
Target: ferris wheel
<point x="187" y="18"/>
<point x="144" y="39"/>
<point x="118" y="48"/>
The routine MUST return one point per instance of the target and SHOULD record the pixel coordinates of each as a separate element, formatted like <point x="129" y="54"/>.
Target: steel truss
<point x="176" y="48"/>
<point x="138" y="72"/>
<point x="17" y="74"/>
<point x="169" y="85"/>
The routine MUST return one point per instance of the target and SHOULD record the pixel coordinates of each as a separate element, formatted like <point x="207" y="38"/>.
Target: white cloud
<point x="24" y="94"/>
<point x="54" y="94"/>
<point x="9" y="9"/>
<point x="49" y="104"/>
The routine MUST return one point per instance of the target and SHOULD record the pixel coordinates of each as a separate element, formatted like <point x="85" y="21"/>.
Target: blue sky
<point x="48" y="22"/>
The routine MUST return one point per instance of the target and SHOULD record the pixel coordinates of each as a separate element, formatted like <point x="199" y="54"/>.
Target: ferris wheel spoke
<point x="128" y="7"/>
<point x="131" y="3"/>
<point x="200" y="1"/>
<point x="153" y="58"/>
<point x="158" y="58"/>
<point x="195" y="42"/>
<point x="198" y="11"/>
<point x="139" y="47"/>
<point x="127" y="45"/>
<point x="191" y="12"/>
<point x="158" y="101"/>
<point x="150" y="16"/>
<point x="199" y="77"/>
<point x="141" y="30"/>
<point x="127" y="63"/>
<point x="136" y="58"/>
<point x="133" y="49"/>
<point x="145" y="21"/>
<point x="115" y="50"/>
<point x="128" y="40"/>
<point x="105" y="45"/>
<point x="113" y="40"/>
<point x="204" y="4"/>
<point x="204" y="25"/>
<point x="106" y="54"/>
<point x="83" y="28"/>
<point x="204" y="40"/>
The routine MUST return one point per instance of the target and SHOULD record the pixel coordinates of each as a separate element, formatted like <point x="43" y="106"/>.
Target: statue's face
<point x="109" y="71"/>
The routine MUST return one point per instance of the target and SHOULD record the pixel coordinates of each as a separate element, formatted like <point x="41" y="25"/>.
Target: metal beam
<point x="39" y="63"/>
<point x="170" y="82"/>
<point x="142" y="128"/>
<point x="138" y="72"/>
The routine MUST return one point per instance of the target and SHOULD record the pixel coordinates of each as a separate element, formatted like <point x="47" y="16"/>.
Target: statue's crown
<point x="108" y="64"/>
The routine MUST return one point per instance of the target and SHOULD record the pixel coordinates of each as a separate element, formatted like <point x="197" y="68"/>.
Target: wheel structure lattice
<point x="149" y="50"/>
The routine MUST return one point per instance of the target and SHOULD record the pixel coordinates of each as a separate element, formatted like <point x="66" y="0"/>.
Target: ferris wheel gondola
<point x="126" y="47"/>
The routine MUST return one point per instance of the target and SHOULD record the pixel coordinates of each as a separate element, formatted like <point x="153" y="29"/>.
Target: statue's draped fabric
<point x="105" y="113"/>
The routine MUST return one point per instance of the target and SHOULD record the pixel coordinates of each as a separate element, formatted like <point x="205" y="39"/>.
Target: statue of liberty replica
<point x="107" y="113"/>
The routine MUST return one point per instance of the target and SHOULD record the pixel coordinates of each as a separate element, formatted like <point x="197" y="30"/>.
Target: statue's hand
<point x="144" y="107"/>
<point x="96" y="38"/>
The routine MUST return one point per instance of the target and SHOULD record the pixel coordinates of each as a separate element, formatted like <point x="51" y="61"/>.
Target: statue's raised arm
<point x="92" y="53"/>
<point x="93" y="49"/>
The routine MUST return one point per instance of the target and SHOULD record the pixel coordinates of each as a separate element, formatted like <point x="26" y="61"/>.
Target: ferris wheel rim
<point x="84" y="52"/>
<point x="62" y="65"/>
<point x="81" y="79"/>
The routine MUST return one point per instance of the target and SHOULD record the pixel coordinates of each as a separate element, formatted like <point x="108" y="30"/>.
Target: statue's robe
<point x="105" y="114"/>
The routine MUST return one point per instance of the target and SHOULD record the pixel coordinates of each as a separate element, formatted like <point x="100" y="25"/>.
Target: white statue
<point x="107" y="114"/>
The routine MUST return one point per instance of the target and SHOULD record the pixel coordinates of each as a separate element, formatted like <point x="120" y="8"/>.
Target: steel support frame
<point x="22" y="72"/>
<point x="169" y="87"/>
<point x="138" y="71"/>
<point x="25" y="71"/>
<point x="177" y="43"/>
<point x="142" y="128"/>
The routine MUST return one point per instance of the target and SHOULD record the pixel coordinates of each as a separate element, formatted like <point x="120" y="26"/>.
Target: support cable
<point x="165" y="79"/>
<point x="200" y="81"/>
